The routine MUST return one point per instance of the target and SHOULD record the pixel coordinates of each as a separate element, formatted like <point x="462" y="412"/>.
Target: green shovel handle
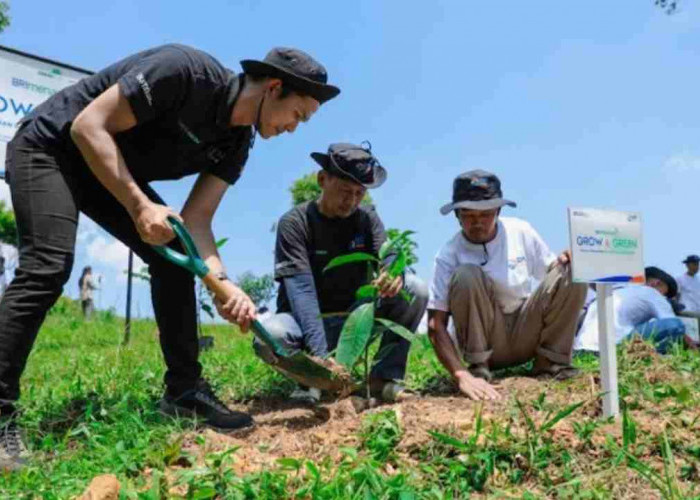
<point x="192" y="261"/>
<point x="261" y="333"/>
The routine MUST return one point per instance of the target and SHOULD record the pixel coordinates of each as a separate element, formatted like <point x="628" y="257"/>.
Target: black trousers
<point x="48" y="191"/>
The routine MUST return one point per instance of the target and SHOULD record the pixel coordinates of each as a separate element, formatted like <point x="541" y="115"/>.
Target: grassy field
<point x="90" y="409"/>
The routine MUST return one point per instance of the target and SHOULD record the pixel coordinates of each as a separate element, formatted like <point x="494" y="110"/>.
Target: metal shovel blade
<point x="302" y="368"/>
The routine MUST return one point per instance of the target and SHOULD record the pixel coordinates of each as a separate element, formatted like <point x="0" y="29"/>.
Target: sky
<point x="588" y="104"/>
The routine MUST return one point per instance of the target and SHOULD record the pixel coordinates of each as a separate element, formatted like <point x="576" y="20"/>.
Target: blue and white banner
<point x="26" y="81"/>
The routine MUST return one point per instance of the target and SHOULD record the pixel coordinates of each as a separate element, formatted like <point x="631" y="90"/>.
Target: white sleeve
<point x="440" y="284"/>
<point x="540" y="254"/>
<point x="661" y="308"/>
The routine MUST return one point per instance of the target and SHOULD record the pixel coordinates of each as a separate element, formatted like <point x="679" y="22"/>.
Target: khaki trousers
<point x="544" y="325"/>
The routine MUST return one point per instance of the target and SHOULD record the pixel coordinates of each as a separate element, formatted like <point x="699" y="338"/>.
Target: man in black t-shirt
<point x="312" y="234"/>
<point x="93" y="147"/>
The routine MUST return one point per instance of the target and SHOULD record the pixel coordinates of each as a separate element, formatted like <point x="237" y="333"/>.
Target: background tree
<point x="8" y="225"/>
<point x="4" y="18"/>
<point x="260" y="289"/>
<point x="669" y="6"/>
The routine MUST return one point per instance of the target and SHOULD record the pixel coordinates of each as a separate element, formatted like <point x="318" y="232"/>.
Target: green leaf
<point x="528" y="420"/>
<point x="477" y="425"/>
<point x="289" y="463"/>
<point x="221" y="242"/>
<point x="366" y="292"/>
<point x="313" y="470"/>
<point x="395" y="239"/>
<point x="399" y="330"/>
<point x="406" y="296"/>
<point x="450" y="441"/>
<point x="399" y="264"/>
<point x="341" y="260"/>
<point x="355" y="334"/>
<point x="204" y="493"/>
<point x="561" y="415"/>
<point x="629" y="429"/>
<point x="388" y="246"/>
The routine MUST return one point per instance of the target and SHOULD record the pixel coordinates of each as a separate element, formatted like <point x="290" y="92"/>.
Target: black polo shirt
<point x="307" y="241"/>
<point x="182" y="99"/>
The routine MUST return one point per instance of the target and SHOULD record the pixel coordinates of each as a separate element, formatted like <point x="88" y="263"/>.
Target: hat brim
<point x="322" y="92"/>
<point x="477" y="205"/>
<point x="324" y="161"/>
<point x="691" y="261"/>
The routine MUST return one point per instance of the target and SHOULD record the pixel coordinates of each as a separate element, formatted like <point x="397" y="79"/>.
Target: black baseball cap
<point x="296" y="69"/>
<point x="476" y="190"/>
<point x="352" y="162"/>
<point x="691" y="258"/>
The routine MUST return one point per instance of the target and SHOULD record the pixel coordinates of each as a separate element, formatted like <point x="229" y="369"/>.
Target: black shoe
<point x="13" y="453"/>
<point x="201" y="403"/>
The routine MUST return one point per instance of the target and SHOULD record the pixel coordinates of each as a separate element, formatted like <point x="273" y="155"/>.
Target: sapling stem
<point x="367" y="388"/>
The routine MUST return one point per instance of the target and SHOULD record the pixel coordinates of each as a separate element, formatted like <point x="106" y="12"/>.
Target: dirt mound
<point x="104" y="487"/>
<point x="562" y="419"/>
<point x="285" y="429"/>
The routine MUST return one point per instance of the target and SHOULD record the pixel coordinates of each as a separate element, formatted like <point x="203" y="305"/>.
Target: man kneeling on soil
<point x="644" y="309"/>
<point x="483" y="278"/>
<point x="312" y="234"/>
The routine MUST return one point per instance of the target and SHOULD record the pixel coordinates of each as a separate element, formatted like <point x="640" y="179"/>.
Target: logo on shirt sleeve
<point x="145" y="88"/>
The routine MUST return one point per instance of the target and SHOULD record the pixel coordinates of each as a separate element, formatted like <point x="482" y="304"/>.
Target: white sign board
<point x="606" y="246"/>
<point x="25" y="82"/>
<point x="692" y="329"/>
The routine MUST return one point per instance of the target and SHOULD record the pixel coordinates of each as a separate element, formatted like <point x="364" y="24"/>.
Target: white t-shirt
<point x="515" y="257"/>
<point x="689" y="288"/>
<point x="632" y="305"/>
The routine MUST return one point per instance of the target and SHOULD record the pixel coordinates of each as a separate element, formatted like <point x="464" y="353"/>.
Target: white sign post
<point x="606" y="248"/>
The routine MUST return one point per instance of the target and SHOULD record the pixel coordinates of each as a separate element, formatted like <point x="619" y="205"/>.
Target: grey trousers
<point x="544" y="325"/>
<point x="392" y="366"/>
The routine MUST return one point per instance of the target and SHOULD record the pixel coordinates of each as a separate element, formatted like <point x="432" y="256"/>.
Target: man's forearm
<point x="203" y="238"/>
<point x="101" y="153"/>
<point x="444" y="348"/>
<point x="303" y="301"/>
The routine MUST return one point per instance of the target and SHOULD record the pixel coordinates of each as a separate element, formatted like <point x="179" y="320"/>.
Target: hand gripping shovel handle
<point x="194" y="263"/>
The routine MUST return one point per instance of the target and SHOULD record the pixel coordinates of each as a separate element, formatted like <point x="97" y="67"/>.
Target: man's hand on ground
<point x="151" y="221"/>
<point x="690" y="343"/>
<point x="238" y="307"/>
<point x="388" y="287"/>
<point x="476" y="388"/>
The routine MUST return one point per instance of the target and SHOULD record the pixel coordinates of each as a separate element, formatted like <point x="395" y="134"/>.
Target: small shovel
<point x="313" y="372"/>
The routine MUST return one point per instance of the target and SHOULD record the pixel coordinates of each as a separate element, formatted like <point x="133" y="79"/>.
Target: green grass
<point x="89" y="408"/>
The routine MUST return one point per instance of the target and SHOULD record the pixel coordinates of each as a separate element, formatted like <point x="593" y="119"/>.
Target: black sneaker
<point x="13" y="453"/>
<point x="201" y="403"/>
